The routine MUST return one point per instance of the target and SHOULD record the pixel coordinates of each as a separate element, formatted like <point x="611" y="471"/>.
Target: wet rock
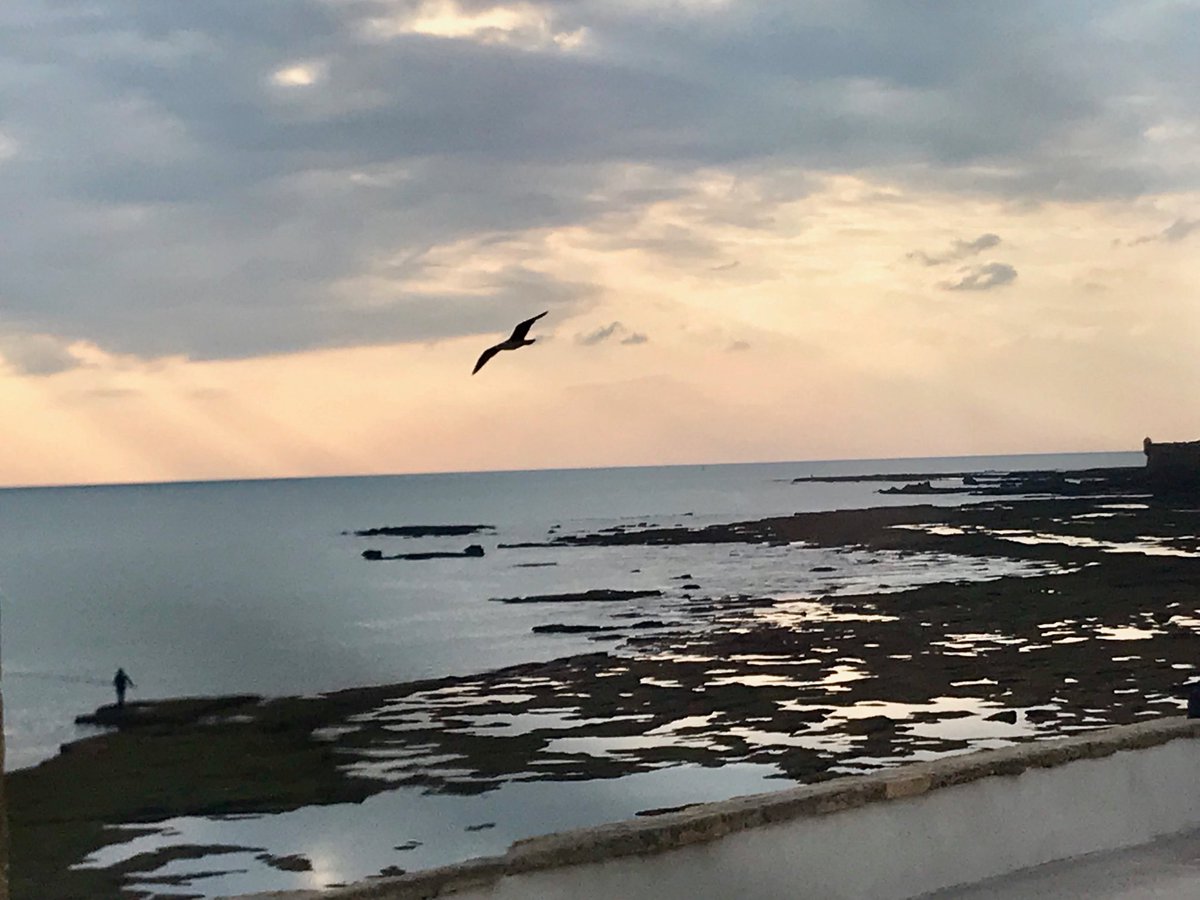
<point x="870" y="725"/>
<point x="1009" y="716"/>
<point x="559" y="628"/>
<point x="473" y="550"/>
<point x="177" y="711"/>
<point x="598" y="595"/>
<point x="1041" y="715"/>
<point x="417" y="531"/>
<point x="297" y="862"/>
<point x="920" y="487"/>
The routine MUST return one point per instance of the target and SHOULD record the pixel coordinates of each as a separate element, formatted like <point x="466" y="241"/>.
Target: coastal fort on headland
<point x="1173" y="466"/>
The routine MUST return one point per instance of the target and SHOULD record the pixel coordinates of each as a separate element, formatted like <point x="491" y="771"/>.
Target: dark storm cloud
<point x="160" y="192"/>
<point x="982" y="278"/>
<point x="958" y="250"/>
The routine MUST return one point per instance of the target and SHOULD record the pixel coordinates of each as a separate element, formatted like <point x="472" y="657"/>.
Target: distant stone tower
<point x="1173" y="467"/>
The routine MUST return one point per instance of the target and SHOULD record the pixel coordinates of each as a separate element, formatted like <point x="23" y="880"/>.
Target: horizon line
<point x="187" y="482"/>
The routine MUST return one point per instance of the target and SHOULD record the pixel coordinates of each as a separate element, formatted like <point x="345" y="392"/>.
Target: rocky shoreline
<point x="1099" y="627"/>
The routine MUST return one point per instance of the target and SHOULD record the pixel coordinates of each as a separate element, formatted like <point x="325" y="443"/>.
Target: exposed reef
<point x="474" y="550"/>
<point x="1082" y="483"/>
<point x="418" y="531"/>
<point x="921" y="487"/>
<point x="593" y="596"/>
<point x="166" y="713"/>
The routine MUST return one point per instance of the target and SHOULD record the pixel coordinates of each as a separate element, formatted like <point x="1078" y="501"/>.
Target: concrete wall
<point x="897" y="834"/>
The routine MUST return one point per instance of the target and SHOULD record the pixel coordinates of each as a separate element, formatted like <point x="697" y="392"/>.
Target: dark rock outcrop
<point x="473" y="550"/>
<point x="173" y="712"/>
<point x="594" y="595"/>
<point x="920" y="487"/>
<point x="416" y="531"/>
<point x="559" y="628"/>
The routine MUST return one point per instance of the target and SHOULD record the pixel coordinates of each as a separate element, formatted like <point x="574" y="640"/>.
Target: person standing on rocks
<point x="120" y="682"/>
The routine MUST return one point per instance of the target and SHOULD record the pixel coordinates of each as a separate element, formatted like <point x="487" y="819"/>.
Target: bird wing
<point x="522" y="330"/>
<point x="485" y="356"/>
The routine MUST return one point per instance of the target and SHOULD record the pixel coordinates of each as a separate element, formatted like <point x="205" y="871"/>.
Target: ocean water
<point x="253" y="586"/>
<point x="258" y="587"/>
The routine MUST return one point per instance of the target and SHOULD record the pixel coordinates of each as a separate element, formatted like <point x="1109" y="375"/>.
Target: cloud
<point x="527" y="26"/>
<point x="113" y="393"/>
<point x="299" y="75"/>
<point x="205" y="178"/>
<point x="607" y="332"/>
<point x="1176" y="231"/>
<point x="37" y="354"/>
<point x="982" y="278"/>
<point x="960" y="249"/>
<point x="1179" y="229"/>
<point x="599" y="335"/>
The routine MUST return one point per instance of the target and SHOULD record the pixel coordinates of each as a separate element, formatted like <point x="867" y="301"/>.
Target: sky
<point x="270" y="239"/>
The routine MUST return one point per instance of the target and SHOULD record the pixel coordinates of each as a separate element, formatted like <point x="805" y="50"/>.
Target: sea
<point x="261" y="587"/>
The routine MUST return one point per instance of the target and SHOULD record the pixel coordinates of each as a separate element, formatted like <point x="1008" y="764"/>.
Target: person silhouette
<point x="120" y="682"/>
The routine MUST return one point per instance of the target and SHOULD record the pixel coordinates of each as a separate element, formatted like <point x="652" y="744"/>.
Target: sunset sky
<point x="270" y="238"/>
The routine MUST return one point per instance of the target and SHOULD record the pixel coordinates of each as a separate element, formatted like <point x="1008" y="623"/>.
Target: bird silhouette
<point x="516" y="340"/>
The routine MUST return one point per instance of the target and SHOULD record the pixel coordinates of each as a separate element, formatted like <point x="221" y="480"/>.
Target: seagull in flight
<point x="517" y="340"/>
